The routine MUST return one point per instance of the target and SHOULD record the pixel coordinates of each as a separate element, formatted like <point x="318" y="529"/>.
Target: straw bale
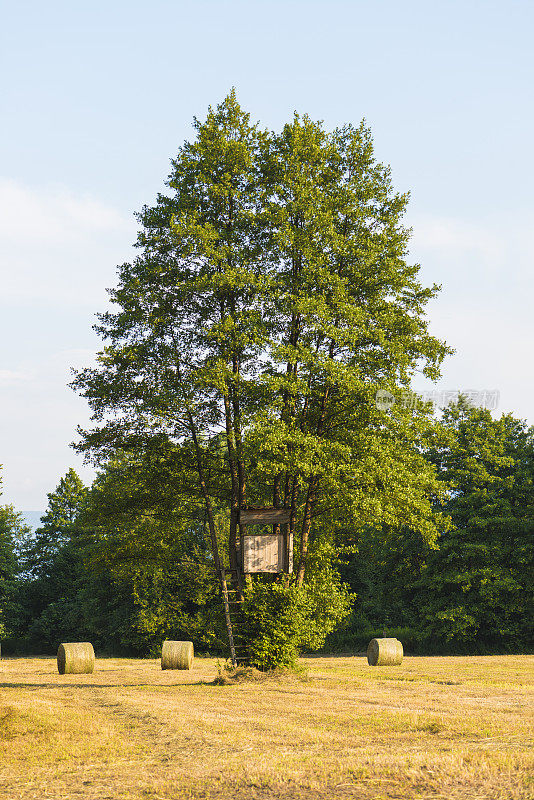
<point x="383" y="652"/>
<point x="75" y="658"/>
<point x="176" y="655"/>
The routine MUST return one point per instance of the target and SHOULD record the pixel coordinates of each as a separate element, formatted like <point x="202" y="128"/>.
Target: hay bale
<point x="384" y="652"/>
<point x="75" y="658"/>
<point x="176" y="655"/>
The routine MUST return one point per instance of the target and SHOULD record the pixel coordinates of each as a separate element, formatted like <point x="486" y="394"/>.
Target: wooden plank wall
<point x="263" y="553"/>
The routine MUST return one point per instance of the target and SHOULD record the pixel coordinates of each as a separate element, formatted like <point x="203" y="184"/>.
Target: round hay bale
<point x="384" y="652"/>
<point x="176" y="655"/>
<point x="75" y="657"/>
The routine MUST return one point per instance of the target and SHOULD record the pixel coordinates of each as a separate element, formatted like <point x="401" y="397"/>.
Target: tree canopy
<point x="13" y="531"/>
<point x="271" y="299"/>
<point x="473" y="591"/>
<point x="478" y="587"/>
<point x="131" y="565"/>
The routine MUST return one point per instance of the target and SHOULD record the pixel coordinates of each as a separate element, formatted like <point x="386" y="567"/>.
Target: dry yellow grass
<point x="431" y="729"/>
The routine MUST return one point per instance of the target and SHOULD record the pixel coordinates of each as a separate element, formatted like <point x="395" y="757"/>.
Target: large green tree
<point x="270" y="300"/>
<point x="145" y="541"/>
<point x="13" y="532"/>
<point x="477" y="589"/>
<point x="348" y="315"/>
<point x="474" y="589"/>
<point x="52" y="560"/>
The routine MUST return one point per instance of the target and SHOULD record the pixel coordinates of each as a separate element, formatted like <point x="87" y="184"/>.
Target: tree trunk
<point x="234" y="502"/>
<point x="306" y="527"/>
<point x="311" y="497"/>
<point x="205" y="494"/>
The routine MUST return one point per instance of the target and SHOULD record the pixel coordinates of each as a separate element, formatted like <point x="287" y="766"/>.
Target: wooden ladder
<point x="233" y="607"/>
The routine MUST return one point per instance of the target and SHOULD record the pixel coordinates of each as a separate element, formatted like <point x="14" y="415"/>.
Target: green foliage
<point x="132" y="565"/>
<point x="477" y="590"/>
<point x="146" y="535"/>
<point x="473" y="590"/>
<point x="281" y="620"/>
<point x="380" y="566"/>
<point x="270" y="299"/>
<point x="12" y="533"/>
<point x="52" y="566"/>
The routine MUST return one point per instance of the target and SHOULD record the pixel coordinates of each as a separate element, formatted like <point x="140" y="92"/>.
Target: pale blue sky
<point x="96" y="98"/>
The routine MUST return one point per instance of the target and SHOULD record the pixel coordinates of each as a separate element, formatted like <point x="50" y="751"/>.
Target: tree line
<point x="271" y="299"/>
<point x="126" y="562"/>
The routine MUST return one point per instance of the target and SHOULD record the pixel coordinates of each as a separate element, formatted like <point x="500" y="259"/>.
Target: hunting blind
<point x="268" y="548"/>
<point x="265" y="551"/>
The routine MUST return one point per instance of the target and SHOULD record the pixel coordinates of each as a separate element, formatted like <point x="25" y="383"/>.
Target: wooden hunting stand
<point x="266" y="551"/>
<point x="269" y="551"/>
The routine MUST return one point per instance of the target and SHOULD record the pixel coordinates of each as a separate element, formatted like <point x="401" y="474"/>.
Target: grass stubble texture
<point x="431" y="729"/>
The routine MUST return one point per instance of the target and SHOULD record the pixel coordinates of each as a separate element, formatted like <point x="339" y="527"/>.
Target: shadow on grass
<point x="18" y="685"/>
<point x="345" y="654"/>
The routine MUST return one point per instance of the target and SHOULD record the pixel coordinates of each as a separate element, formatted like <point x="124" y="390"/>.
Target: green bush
<point x="280" y="620"/>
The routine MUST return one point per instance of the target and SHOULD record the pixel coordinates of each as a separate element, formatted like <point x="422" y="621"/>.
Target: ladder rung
<point x="233" y="602"/>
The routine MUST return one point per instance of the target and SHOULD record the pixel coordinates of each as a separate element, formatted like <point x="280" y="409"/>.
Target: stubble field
<point x="447" y="728"/>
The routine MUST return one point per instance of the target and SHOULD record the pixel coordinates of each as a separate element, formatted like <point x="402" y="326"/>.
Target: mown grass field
<point x="431" y="728"/>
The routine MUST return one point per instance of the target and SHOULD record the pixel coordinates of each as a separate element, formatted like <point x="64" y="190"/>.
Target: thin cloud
<point x="493" y="257"/>
<point x="53" y="215"/>
<point x="59" y="247"/>
<point x="438" y="232"/>
<point x="483" y="310"/>
<point x="9" y="377"/>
